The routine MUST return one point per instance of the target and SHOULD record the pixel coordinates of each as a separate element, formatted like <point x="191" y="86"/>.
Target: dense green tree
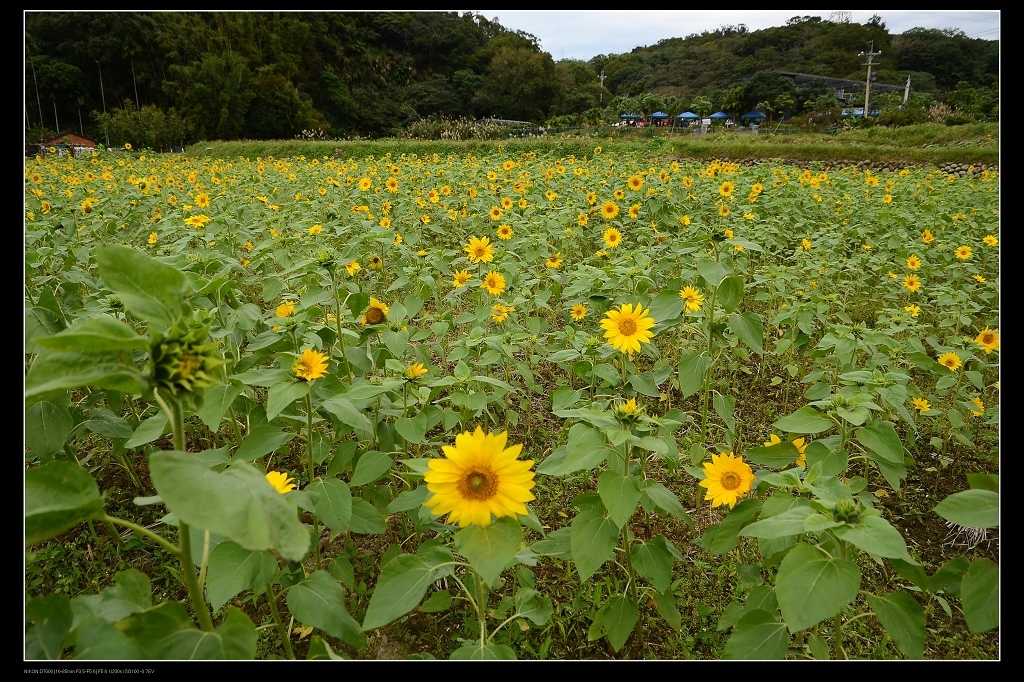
<point x="519" y="84"/>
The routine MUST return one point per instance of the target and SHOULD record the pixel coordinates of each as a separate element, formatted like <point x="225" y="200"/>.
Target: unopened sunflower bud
<point x="185" y="361"/>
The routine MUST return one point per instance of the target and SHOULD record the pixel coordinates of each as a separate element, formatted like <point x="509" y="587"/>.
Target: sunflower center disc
<point x="374" y="315"/>
<point x="730" y="481"/>
<point x="627" y="327"/>
<point x="478" y="485"/>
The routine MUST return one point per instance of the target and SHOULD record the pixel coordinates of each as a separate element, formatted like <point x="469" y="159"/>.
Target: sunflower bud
<point x="628" y="412"/>
<point x="185" y="361"/>
<point x="846" y="511"/>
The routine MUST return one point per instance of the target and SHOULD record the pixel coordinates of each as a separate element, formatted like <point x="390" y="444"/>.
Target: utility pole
<point x="906" y="91"/>
<point x="870" y="54"/>
<point x="103" y="97"/>
<point x="602" y="77"/>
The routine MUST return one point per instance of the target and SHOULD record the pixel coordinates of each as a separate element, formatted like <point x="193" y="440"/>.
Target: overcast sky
<point x="584" y="34"/>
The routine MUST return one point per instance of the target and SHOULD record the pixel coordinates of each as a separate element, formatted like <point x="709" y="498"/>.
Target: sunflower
<point x="927" y="237"/>
<point x="619" y="194"/>
<point x="591" y="198"/>
<point x="578" y="312"/>
<point x="415" y="370"/>
<point x="392" y="184"/>
<point x="550" y="195"/>
<point x="499" y="312"/>
<point x="991" y="240"/>
<point x="480" y="250"/>
<point x="504" y="232"/>
<point x="625" y="328"/>
<point x="479" y="478"/>
<point x="460" y="278"/>
<point x="281" y="481"/>
<point x="921" y="404"/>
<point x="385" y="222"/>
<point x="495" y="213"/>
<point x="988" y="339"/>
<point x="127" y="147"/>
<point x="554" y="261"/>
<point x="376" y="262"/>
<point x="494" y="282"/>
<point x="285" y="309"/>
<point x="693" y="297"/>
<point x="913" y="262"/>
<point x="726" y="188"/>
<point x="581" y="219"/>
<point x="723" y="210"/>
<point x="365" y="183"/>
<point x="609" y="210"/>
<point x="805" y="244"/>
<point x="376" y="312"/>
<point x="912" y="282"/>
<point x="310" y="365"/>
<point x="914" y="310"/>
<point x="506" y="203"/>
<point x="153" y="236"/>
<point x="352" y="267"/>
<point x="634" y="211"/>
<point x="316" y="229"/>
<point x="612" y="237"/>
<point x="963" y="252"/>
<point x="635" y="182"/>
<point x="798" y="443"/>
<point x="727" y="478"/>
<point x="509" y="164"/>
<point x="950" y="360"/>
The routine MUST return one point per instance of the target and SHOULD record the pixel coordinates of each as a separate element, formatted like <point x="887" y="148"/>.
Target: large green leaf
<point x="664" y="499"/>
<point x="216" y="402"/>
<point x="789" y="522"/>
<point x="619" y="618"/>
<point x="881" y="439"/>
<point x="490" y="549"/>
<point x="979" y="593"/>
<point x="483" y="652"/>
<point x="51" y="623"/>
<point x="874" y="535"/>
<point x="692" y="368"/>
<point x="713" y="272"/>
<point x="593" y="540"/>
<point x="653" y="561"/>
<point x="153" y="291"/>
<point x="619" y="494"/>
<point x="402" y="584"/>
<point x="233" y="569"/>
<point x="812" y="586"/>
<point x="283" y="394"/>
<point x="975" y="508"/>
<point x="130" y="594"/>
<point x="166" y="632"/>
<point x="334" y="504"/>
<point x="99" y="333"/>
<point x="903" y="620"/>
<point x="804" y="420"/>
<point x="237" y="503"/>
<point x="534" y="606"/>
<point x="148" y="431"/>
<point x="584" y="450"/>
<point x="263" y="439"/>
<point x="748" y="328"/>
<point x="366" y="520"/>
<point x="58" y="495"/>
<point x="370" y="466"/>
<point x="56" y="371"/>
<point x="730" y="293"/>
<point x="758" y="636"/>
<point x="319" y="600"/>
<point x="48" y="426"/>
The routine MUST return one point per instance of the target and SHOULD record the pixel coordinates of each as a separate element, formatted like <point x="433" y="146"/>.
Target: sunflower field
<point x="509" y="404"/>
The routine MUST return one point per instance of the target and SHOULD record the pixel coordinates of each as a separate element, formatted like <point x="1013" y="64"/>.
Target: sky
<point x="584" y="34"/>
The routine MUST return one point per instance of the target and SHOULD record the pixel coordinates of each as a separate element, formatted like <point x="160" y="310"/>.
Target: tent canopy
<point x="659" y="115"/>
<point x="719" y="115"/>
<point x="688" y="115"/>
<point x="753" y="114"/>
<point x="632" y="117"/>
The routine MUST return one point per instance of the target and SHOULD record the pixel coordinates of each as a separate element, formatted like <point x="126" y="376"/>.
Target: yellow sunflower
<point x="914" y="310"/>
<point x="609" y="210"/>
<point x="415" y="370"/>
<point x="281" y="481"/>
<point x="480" y="250"/>
<point x="963" y="252"/>
<point x="479" y="478"/>
<point x="504" y="232"/>
<point x="927" y="237"/>
<point x="612" y="237"/>
<point x="494" y="282"/>
<point x="988" y="339"/>
<point x="285" y="309"/>
<point x="578" y="312"/>
<point x="726" y="188"/>
<point x="460" y="278"/>
<point x="376" y="262"/>
<point x="495" y="213"/>
<point x="392" y="185"/>
<point x="626" y="328"/>
<point x="635" y="182"/>
<point x="352" y="267"/>
<point x="310" y="365"/>
<point x="506" y="203"/>
<point x="912" y="282"/>
<point x="951" y="361"/>
<point x="693" y="297"/>
<point x="727" y="478"/>
<point x="913" y="262"/>
<point x="991" y="240"/>
<point x="554" y="261"/>
<point x="922" y="404"/>
<point x="376" y="313"/>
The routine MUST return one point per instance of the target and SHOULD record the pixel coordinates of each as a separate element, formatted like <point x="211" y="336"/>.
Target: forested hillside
<point x="188" y="76"/>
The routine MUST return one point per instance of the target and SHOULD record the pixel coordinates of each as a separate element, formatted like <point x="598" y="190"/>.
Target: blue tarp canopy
<point x="632" y="117"/>
<point x="689" y="116"/>
<point x="659" y="115"/>
<point x="753" y="114"/>
<point x="859" y="112"/>
<point x="719" y="115"/>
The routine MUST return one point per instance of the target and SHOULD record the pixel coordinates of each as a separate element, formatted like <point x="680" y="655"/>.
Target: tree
<point x="519" y="84"/>
<point x="215" y="95"/>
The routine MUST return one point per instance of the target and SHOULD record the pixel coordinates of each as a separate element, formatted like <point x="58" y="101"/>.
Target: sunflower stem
<point x="278" y="623"/>
<point x="309" y="468"/>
